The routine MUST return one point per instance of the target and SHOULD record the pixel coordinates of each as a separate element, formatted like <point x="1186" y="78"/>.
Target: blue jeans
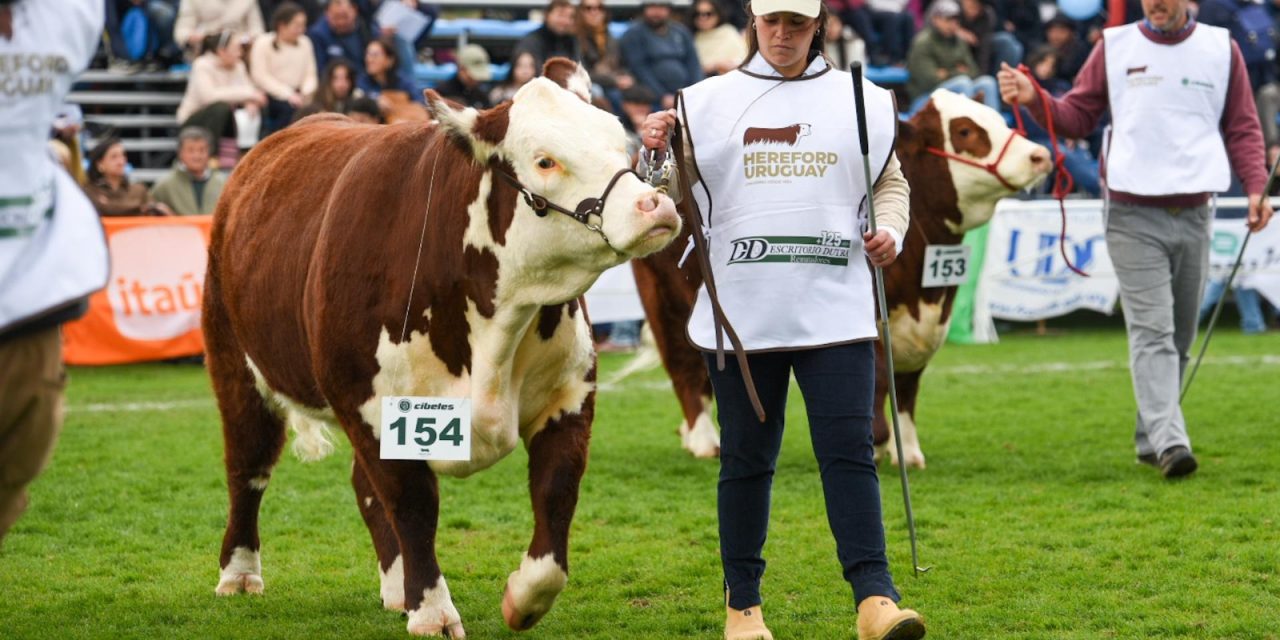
<point x="838" y="384"/>
<point x="964" y="85"/>
<point x="1248" y="303"/>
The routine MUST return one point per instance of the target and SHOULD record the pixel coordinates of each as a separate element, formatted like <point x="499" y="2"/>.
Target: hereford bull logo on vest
<point x="829" y="248"/>
<point x="778" y="166"/>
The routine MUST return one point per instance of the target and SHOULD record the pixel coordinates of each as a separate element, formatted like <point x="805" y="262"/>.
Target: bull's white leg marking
<point x="910" y="442"/>
<point x="703" y="441"/>
<point x="436" y="614"/>
<point x="392" y="581"/>
<point x="532" y="589"/>
<point x="242" y="573"/>
<point x="311" y="427"/>
<point x="259" y="483"/>
<point x="915" y="341"/>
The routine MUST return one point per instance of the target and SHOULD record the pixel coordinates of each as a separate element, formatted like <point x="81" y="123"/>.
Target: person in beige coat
<point x="198" y="19"/>
<point x="283" y="65"/>
<point x="218" y="85"/>
<point x="721" y="48"/>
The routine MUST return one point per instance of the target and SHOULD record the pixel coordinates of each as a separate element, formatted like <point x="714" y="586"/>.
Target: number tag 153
<point x="945" y="265"/>
<point x="421" y="428"/>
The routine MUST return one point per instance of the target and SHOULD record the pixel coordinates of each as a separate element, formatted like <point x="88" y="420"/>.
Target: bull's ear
<point x="909" y="141"/>
<point x="569" y="75"/>
<point x="465" y="124"/>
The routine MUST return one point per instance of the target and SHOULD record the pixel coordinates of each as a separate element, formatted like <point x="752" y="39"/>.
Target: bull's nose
<point x="647" y="202"/>
<point x="1040" y="160"/>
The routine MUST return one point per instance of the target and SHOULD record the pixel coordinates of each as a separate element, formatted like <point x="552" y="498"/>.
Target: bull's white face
<point x="567" y="151"/>
<point x="976" y="132"/>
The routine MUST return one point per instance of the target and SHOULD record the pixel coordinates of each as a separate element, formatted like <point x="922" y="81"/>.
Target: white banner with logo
<point x="1024" y="277"/>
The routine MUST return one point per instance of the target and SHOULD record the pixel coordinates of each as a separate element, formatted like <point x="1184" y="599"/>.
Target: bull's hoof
<point x="702" y="440"/>
<point x="231" y="584"/>
<point x="517" y="620"/>
<point x="439" y="628"/>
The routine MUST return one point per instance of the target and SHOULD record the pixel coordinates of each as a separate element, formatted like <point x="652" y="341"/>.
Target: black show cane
<point x="856" y="69"/>
<point x="1217" y="309"/>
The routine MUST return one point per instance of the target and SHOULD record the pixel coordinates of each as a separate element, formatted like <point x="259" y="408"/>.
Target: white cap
<point x="807" y="8"/>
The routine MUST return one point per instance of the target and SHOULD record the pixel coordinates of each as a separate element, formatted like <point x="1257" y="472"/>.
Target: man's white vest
<point x="1166" y="109"/>
<point x="788" y="204"/>
<point x="52" y="249"/>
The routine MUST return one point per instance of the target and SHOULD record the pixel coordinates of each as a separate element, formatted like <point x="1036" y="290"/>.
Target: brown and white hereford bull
<point x="960" y="158"/>
<point x="350" y="262"/>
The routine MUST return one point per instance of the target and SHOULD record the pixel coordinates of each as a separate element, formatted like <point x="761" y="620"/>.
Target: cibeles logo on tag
<point x="157" y="278"/>
<point x="829" y="248"/>
<point x="761" y="164"/>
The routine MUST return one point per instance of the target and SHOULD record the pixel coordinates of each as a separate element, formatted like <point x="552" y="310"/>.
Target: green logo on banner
<point x="829" y="249"/>
<point x="1225" y="243"/>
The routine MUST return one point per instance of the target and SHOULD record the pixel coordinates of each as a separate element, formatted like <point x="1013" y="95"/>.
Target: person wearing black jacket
<point x="554" y="38"/>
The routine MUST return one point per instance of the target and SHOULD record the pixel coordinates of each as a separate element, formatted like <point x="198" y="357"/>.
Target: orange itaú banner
<point x="150" y="309"/>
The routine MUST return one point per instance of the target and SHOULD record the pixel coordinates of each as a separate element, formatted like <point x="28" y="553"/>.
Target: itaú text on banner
<point x="150" y="309"/>
<point x="1024" y="277"/>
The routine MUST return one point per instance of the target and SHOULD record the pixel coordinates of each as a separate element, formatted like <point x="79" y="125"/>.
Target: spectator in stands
<point x="939" y="59"/>
<point x="313" y="8"/>
<point x="1022" y="19"/>
<point x="1253" y="30"/>
<point x="855" y="15"/>
<point x="660" y="52"/>
<point x="218" y="85"/>
<point x="342" y="33"/>
<point x="380" y="77"/>
<point x="601" y="55"/>
<point x="637" y="104"/>
<point x="65" y="140"/>
<point x="283" y="65"/>
<point x="109" y="188"/>
<point x="721" y="47"/>
<point x="554" y="38"/>
<point x="365" y="110"/>
<point x="192" y="187"/>
<point x="470" y="84"/>
<point x="843" y="45"/>
<point x="894" y="29"/>
<point x="991" y="45"/>
<point x="161" y="50"/>
<point x="337" y="89"/>
<point x="522" y="71"/>
<point x="198" y="19"/>
<point x="1060" y="32"/>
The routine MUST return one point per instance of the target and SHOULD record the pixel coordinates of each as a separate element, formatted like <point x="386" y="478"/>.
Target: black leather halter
<point x="585" y="209"/>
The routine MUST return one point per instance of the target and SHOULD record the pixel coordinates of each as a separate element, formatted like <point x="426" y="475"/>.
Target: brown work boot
<point x="879" y="618"/>
<point x="747" y="624"/>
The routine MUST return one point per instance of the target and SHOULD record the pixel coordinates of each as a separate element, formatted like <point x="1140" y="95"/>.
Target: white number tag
<point x="421" y="428"/>
<point x="945" y="265"/>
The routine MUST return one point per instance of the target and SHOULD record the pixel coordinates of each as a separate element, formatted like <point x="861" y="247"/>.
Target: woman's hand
<point x="880" y="248"/>
<point x="654" y="131"/>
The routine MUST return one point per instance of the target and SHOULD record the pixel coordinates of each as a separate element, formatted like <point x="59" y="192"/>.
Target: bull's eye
<point x="546" y="164"/>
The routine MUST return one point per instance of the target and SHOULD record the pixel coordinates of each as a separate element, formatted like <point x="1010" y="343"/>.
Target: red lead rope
<point x="1062" y="182"/>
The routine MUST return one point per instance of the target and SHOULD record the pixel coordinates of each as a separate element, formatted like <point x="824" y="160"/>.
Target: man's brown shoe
<point x="747" y="624"/>
<point x="879" y="618"/>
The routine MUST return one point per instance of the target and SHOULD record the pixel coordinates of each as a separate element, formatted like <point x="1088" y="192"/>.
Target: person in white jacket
<point x="782" y="194"/>
<point x="199" y="19"/>
<point x="219" y="84"/>
<point x="52" y="250"/>
<point x="282" y="64"/>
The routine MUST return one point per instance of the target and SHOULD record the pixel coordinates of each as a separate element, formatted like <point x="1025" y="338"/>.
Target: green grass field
<point x="1032" y="513"/>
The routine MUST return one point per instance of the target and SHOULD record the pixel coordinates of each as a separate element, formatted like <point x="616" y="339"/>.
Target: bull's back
<point x="266" y="232"/>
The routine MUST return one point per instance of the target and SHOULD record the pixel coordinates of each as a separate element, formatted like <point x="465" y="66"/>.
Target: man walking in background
<point x="1183" y="117"/>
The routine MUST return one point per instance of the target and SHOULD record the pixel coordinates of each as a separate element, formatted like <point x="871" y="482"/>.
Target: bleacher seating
<point x="140" y="109"/>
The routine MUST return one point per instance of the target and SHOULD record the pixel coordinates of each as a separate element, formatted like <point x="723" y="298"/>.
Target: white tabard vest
<point x="1166" y="109"/>
<point x="52" y="249"/>
<point x="784" y="168"/>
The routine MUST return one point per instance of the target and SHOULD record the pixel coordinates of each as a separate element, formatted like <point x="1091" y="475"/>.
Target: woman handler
<point x="775" y="146"/>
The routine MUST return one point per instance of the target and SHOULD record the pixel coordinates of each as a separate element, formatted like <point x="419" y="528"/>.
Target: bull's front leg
<point x="410" y="497"/>
<point x="385" y="545"/>
<point x="557" y="460"/>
